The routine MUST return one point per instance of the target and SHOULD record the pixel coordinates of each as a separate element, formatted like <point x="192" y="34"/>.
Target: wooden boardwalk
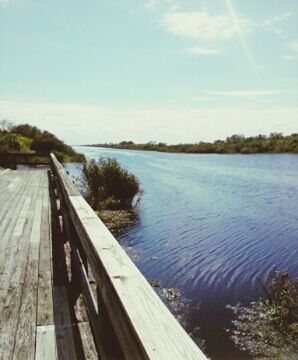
<point x="67" y="288"/>
<point x="36" y="318"/>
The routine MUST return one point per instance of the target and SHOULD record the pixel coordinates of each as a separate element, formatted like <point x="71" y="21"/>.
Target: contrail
<point x="246" y="50"/>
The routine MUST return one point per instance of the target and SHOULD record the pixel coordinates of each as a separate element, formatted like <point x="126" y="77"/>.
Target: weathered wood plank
<point x="9" y="316"/>
<point x="11" y="233"/>
<point x="46" y="343"/>
<point x="9" y="209"/>
<point x="26" y="332"/>
<point x="64" y="334"/>
<point x="89" y="349"/>
<point x="45" y="314"/>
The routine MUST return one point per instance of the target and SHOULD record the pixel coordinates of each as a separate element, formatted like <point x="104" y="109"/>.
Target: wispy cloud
<point x="271" y="23"/>
<point x="154" y="4"/>
<point x="204" y="51"/>
<point x="245" y="93"/>
<point x="293" y="51"/>
<point x="204" y="98"/>
<point x="203" y="26"/>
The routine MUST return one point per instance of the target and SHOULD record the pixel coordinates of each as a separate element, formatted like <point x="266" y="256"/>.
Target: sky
<point x="150" y="70"/>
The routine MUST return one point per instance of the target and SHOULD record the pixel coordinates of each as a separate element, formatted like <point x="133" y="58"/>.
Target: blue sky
<point x="165" y="70"/>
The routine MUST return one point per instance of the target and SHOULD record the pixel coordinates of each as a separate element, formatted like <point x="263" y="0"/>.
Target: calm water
<point x="211" y="225"/>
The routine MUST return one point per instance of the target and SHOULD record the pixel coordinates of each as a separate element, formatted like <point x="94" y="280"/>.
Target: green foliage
<point x="9" y="143"/>
<point x="108" y="185"/>
<point x="268" y="328"/>
<point x="27" y="138"/>
<point x="26" y="130"/>
<point x="235" y="144"/>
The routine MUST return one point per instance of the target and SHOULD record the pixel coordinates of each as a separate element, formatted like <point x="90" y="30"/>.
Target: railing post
<point x="14" y="162"/>
<point x="105" y="338"/>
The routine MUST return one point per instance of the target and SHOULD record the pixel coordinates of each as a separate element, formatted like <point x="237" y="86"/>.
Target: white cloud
<point x="270" y="24"/>
<point x="202" y="25"/>
<point x="153" y="4"/>
<point x="294" y="47"/>
<point x="245" y="93"/>
<point x="293" y="54"/>
<point x="290" y="57"/>
<point x="204" y="98"/>
<point x="82" y="124"/>
<point x="203" y="51"/>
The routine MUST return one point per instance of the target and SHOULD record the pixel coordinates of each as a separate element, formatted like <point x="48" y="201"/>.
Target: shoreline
<point x="188" y="152"/>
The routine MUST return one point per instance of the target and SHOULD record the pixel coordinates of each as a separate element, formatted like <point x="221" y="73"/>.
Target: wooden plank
<point x="144" y="326"/>
<point x="67" y="186"/>
<point x="86" y="289"/>
<point x="12" y="248"/>
<point x="46" y="343"/>
<point x="9" y="316"/>
<point x="64" y="334"/>
<point x="2" y="172"/>
<point x="89" y="349"/>
<point x="10" y="200"/>
<point x="11" y="237"/>
<point x="45" y="314"/>
<point x="26" y="332"/>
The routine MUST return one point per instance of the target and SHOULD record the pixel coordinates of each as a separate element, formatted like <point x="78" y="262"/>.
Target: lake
<point x="211" y="226"/>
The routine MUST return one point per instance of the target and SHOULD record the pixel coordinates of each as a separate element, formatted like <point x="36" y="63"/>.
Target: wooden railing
<point x="11" y="160"/>
<point x="128" y="319"/>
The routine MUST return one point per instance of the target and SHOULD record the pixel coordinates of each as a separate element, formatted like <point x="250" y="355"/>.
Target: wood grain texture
<point x="46" y="343"/>
<point x="10" y="314"/>
<point x="63" y="325"/>
<point x="45" y="297"/>
<point x="26" y="333"/>
<point x="35" y="318"/>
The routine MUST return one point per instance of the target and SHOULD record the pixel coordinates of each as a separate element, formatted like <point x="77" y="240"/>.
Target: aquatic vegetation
<point x="108" y="186"/>
<point x="268" y="327"/>
<point x="117" y="220"/>
<point x="181" y="307"/>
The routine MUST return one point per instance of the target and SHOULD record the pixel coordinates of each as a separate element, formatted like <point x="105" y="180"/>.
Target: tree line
<point x="235" y="144"/>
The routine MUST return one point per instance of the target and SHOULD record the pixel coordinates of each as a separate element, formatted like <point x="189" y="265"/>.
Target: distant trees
<point x="235" y="144"/>
<point x="5" y="125"/>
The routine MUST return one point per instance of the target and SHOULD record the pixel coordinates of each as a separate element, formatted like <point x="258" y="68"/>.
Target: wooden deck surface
<point x="39" y="319"/>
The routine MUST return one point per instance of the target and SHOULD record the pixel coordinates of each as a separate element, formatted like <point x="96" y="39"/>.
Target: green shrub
<point x="46" y="143"/>
<point x="26" y="130"/>
<point x="108" y="185"/>
<point x="268" y="328"/>
<point x="9" y="143"/>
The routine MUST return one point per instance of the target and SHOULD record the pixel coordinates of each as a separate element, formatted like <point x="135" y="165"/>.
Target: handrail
<point x="12" y="159"/>
<point x="128" y="319"/>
